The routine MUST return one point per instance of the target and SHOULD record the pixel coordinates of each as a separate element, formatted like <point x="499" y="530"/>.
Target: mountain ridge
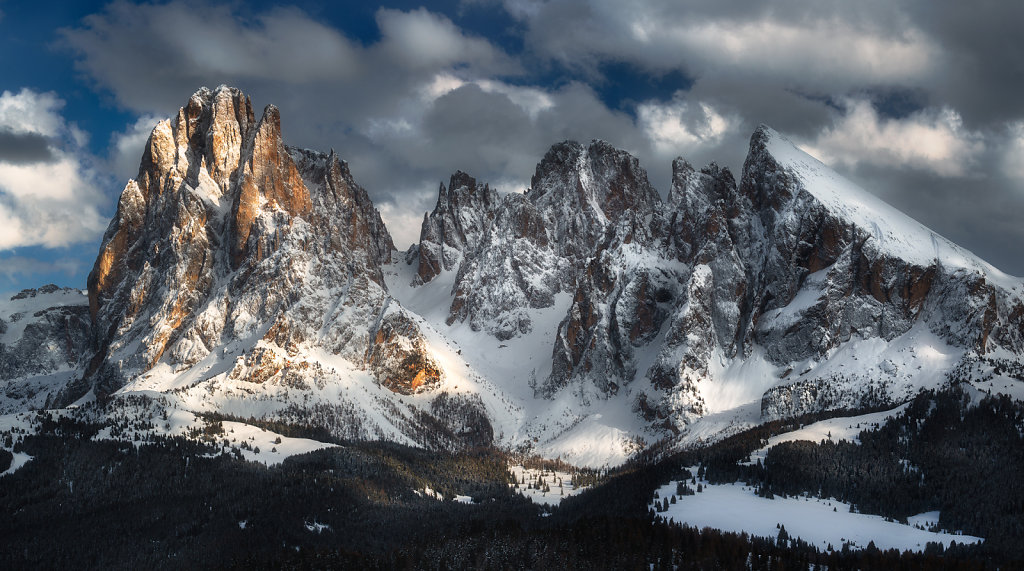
<point x="584" y="318"/>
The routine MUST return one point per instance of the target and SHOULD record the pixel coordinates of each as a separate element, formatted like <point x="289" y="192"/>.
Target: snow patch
<point x="19" y="460"/>
<point x="823" y="523"/>
<point x="847" y="428"/>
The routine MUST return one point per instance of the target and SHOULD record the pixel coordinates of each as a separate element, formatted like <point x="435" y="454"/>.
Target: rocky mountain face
<point x="245" y="276"/>
<point x="531" y="247"/>
<point x="232" y="247"/>
<point x="463" y="212"/>
<point x="44" y="341"/>
<point x="768" y="277"/>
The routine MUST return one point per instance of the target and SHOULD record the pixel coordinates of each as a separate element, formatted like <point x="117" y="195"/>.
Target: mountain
<point x="585" y="318"/>
<point x="44" y="342"/>
<point x="787" y="292"/>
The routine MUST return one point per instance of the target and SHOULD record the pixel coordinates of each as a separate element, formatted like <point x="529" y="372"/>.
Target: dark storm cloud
<point x="24" y="148"/>
<point x="898" y="96"/>
<point x="981" y="214"/>
<point x="984" y="77"/>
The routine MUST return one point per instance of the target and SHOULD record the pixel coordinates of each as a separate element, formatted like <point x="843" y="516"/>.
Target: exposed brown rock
<point x="182" y="267"/>
<point x="269" y="180"/>
<point x="398" y="356"/>
<point x="259" y="366"/>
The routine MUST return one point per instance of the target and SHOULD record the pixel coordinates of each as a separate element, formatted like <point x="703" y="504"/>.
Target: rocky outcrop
<point x="453" y="230"/>
<point x="780" y="267"/>
<point x="45" y="336"/>
<point x="229" y="235"/>
<point x="540" y="242"/>
<point x="399" y="357"/>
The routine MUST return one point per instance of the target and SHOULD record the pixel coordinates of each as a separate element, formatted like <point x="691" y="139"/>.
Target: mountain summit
<point x="583" y="318"/>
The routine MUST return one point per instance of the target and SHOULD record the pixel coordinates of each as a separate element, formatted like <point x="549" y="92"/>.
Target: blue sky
<point x="918" y="101"/>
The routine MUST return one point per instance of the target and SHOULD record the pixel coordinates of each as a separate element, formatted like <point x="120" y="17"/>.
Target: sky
<point x="917" y="101"/>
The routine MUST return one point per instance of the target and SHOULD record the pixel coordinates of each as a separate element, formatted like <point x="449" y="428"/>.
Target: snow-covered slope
<point x="891" y="231"/>
<point x="826" y="524"/>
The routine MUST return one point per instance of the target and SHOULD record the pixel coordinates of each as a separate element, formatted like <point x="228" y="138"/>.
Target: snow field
<point x="251" y="442"/>
<point x="821" y="522"/>
<point x="273" y="448"/>
<point x="580" y="430"/>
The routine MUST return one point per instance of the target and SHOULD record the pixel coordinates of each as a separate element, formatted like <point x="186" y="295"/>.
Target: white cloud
<point x="933" y="139"/>
<point x="127" y="146"/>
<point x="679" y="126"/>
<point x="403" y="222"/>
<point x="802" y="51"/>
<point x="422" y="39"/>
<point x="808" y="45"/>
<point x="31" y="112"/>
<point x="441" y="84"/>
<point x="1013" y="158"/>
<point x="532" y="100"/>
<point x="49" y="203"/>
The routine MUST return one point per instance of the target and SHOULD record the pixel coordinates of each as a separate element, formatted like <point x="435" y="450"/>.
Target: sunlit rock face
<point x="229" y="236"/>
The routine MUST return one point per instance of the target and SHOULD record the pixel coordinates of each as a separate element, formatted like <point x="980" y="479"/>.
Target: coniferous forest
<point x="177" y="503"/>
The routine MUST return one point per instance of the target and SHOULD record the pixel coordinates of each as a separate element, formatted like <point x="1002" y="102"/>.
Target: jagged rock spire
<point x="226" y="231"/>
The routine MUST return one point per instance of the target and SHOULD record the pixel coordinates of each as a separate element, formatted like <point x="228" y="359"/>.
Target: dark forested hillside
<point x="176" y="503"/>
<point x="945" y="453"/>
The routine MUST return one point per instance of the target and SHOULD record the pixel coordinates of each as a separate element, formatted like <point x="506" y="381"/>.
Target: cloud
<point x="932" y="139"/>
<point x="19" y="148"/>
<point x="31" y="112"/>
<point x="422" y="39"/>
<point x="404" y="223"/>
<point x="809" y="44"/>
<point x="1013" y="158"/>
<point x="680" y="126"/>
<point x="814" y="53"/>
<point x="126" y="147"/>
<point x="532" y="100"/>
<point x="14" y="267"/>
<point x="424" y="99"/>
<point x="52" y="202"/>
<point x="964" y="55"/>
<point x="192" y="44"/>
<point x="983" y="73"/>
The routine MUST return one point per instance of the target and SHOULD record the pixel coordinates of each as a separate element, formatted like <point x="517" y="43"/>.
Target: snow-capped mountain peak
<point x="583" y="318"/>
